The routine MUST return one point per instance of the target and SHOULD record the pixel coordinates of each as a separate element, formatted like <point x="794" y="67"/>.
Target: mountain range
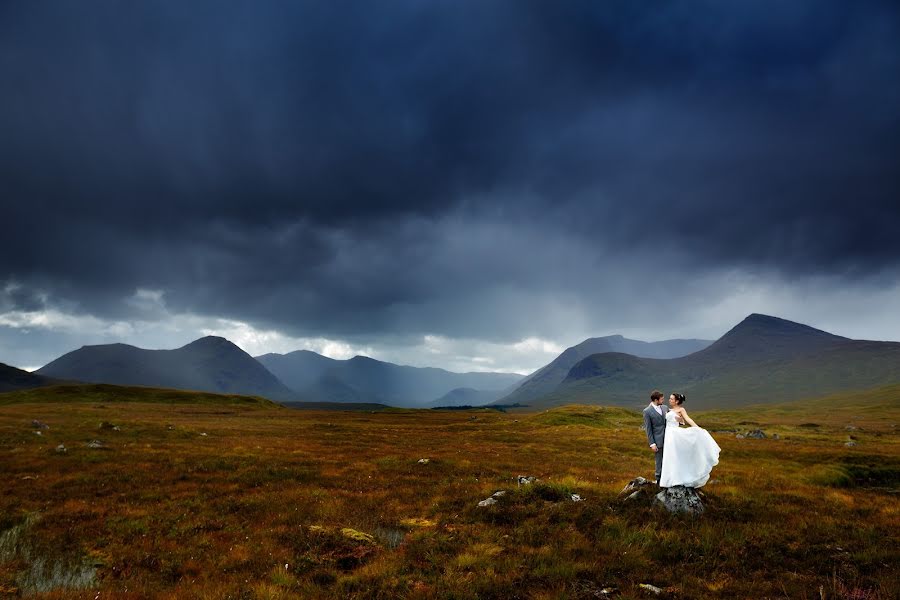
<point x="361" y="379"/>
<point x="762" y="359"/>
<point x="546" y="379"/>
<point x="214" y="364"/>
<point x="209" y="364"/>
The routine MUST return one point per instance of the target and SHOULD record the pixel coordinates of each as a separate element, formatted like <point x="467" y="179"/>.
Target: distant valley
<point x="362" y="379"/>
<point x="214" y="364"/>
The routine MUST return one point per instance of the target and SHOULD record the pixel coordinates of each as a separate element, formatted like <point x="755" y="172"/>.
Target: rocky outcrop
<point x="680" y="499"/>
<point x="492" y="499"/>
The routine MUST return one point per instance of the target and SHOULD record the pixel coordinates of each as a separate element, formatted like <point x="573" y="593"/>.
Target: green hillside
<point x="877" y="405"/>
<point x="12" y="378"/>
<point x="761" y="360"/>
<point x="589" y="416"/>
<point x="106" y="393"/>
<point x="547" y="378"/>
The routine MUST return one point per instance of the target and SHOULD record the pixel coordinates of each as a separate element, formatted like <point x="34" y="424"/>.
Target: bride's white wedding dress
<point x="689" y="454"/>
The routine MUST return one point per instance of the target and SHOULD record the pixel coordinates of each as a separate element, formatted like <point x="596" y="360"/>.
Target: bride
<point x="690" y="452"/>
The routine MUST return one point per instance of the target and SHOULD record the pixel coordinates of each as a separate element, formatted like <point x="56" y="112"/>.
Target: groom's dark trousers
<point x="655" y="425"/>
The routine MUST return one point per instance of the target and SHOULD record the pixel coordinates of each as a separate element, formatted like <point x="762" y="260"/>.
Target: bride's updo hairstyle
<point x="679" y="398"/>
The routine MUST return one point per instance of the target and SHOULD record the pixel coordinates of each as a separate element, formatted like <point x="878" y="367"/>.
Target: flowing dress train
<point x="689" y="454"/>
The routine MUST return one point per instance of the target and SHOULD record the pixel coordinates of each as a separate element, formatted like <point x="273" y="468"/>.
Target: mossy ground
<point x="276" y="503"/>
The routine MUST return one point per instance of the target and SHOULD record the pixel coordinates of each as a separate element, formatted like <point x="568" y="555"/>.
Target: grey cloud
<point x="481" y="170"/>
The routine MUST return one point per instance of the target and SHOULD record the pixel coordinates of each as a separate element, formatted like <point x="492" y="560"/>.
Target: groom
<point x="655" y="424"/>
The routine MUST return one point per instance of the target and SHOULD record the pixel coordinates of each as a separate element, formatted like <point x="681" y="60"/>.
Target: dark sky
<point x="473" y="185"/>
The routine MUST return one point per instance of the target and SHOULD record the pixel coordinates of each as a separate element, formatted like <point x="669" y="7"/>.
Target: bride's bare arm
<point x="687" y="418"/>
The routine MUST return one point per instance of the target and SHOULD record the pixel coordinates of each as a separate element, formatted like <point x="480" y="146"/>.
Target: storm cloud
<point x="480" y="173"/>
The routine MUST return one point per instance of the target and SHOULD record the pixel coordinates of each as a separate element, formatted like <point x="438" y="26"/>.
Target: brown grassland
<point x="280" y="503"/>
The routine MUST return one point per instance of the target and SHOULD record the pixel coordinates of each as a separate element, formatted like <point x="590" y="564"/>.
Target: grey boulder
<point x="680" y="499"/>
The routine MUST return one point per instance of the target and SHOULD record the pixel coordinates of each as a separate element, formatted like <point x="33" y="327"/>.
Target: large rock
<point x="680" y="499"/>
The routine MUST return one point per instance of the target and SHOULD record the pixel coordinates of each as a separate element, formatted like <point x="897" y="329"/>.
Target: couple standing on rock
<point x="684" y="455"/>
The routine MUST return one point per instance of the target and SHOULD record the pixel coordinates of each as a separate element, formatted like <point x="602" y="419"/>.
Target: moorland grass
<point x="101" y="392"/>
<point x="275" y="503"/>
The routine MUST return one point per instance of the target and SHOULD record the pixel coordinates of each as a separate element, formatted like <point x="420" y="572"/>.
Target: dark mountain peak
<point x="213" y="348"/>
<point x="210" y="341"/>
<point x="12" y="378"/>
<point x="292" y="353"/>
<point x="365" y="360"/>
<point x="765" y="337"/>
<point x="761" y="359"/>
<point x="760" y="319"/>
<point x="305" y="353"/>
<point x="600" y="340"/>
<point x="114" y="346"/>
<point x="210" y="364"/>
<point x="758" y="324"/>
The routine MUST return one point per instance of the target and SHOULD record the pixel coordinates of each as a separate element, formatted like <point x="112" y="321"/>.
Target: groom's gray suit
<point x="655" y="424"/>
